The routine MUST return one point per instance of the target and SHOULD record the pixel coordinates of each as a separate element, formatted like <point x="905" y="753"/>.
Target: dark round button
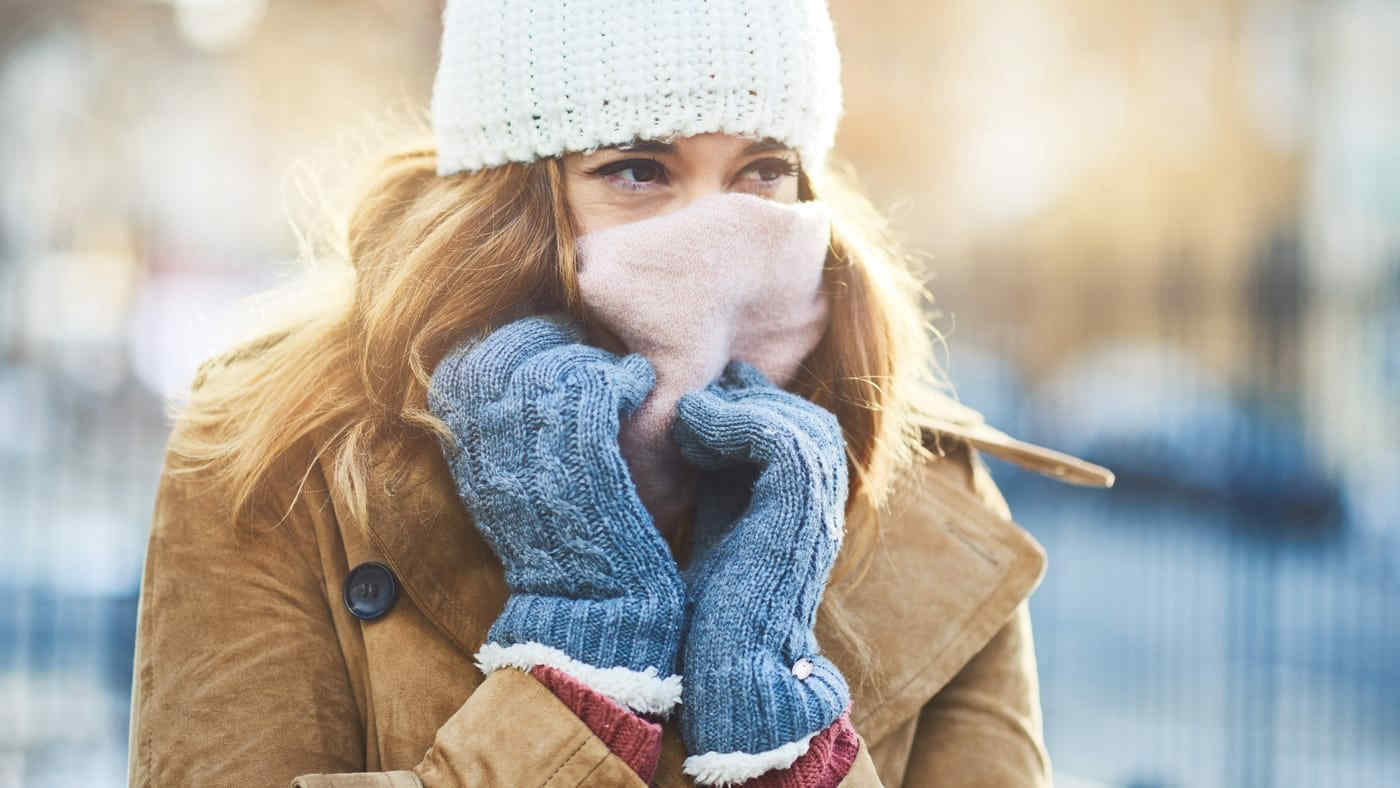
<point x="370" y="590"/>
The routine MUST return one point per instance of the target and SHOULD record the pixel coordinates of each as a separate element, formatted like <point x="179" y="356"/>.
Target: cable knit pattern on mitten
<point x="594" y="590"/>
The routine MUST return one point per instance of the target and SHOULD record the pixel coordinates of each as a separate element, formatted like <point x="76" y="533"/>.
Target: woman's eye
<point x="643" y="172"/>
<point x="771" y="170"/>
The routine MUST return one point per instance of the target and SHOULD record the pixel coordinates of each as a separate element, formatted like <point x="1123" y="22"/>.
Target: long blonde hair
<point x="425" y="259"/>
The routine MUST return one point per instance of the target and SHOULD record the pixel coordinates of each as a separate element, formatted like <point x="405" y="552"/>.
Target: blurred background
<point x="1165" y="237"/>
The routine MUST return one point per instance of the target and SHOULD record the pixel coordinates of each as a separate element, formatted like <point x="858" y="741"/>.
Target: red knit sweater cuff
<point x="828" y="758"/>
<point x="631" y="737"/>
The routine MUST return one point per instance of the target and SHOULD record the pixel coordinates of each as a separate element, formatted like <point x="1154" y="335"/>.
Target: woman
<point x="614" y="456"/>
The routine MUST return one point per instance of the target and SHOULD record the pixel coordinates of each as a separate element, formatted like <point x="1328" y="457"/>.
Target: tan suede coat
<point x="250" y="671"/>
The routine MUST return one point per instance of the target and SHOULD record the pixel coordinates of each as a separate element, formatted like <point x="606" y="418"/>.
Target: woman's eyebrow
<point x="763" y="145"/>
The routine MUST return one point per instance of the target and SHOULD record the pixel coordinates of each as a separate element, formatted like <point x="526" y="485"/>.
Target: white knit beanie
<point x="520" y="80"/>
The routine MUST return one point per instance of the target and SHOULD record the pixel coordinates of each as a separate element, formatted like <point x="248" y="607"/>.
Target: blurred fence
<point x="1227" y="614"/>
<point x="1186" y="644"/>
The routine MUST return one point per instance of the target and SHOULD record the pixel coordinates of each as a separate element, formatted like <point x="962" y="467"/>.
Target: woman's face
<point x="612" y="186"/>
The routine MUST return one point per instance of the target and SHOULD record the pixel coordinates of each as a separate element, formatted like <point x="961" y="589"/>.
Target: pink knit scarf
<point x="731" y="275"/>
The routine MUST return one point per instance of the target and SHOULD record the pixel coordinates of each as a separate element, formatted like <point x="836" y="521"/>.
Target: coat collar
<point x="947" y="573"/>
<point x="962" y="422"/>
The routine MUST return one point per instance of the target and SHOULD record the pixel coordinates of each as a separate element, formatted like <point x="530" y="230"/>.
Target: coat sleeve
<point x="984" y="728"/>
<point x="239" y="677"/>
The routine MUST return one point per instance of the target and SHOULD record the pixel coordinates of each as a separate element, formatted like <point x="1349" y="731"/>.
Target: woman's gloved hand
<point x="755" y="687"/>
<point x="594" y="590"/>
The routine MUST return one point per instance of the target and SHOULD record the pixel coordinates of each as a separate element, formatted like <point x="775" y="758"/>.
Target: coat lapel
<point x="948" y="573"/>
<point x="425" y="534"/>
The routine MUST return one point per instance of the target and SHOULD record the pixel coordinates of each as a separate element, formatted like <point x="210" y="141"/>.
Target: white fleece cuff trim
<point x="728" y="768"/>
<point x="644" y="692"/>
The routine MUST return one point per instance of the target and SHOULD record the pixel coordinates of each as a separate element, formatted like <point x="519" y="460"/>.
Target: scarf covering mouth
<point x="729" y="276"/>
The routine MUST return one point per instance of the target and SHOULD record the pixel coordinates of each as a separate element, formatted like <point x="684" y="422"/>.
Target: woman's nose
<point x="699" y="186"/>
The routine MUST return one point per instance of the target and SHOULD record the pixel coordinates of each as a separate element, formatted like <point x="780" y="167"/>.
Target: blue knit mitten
<point x="594" y="590"/>
<point x="756" y="689"/>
